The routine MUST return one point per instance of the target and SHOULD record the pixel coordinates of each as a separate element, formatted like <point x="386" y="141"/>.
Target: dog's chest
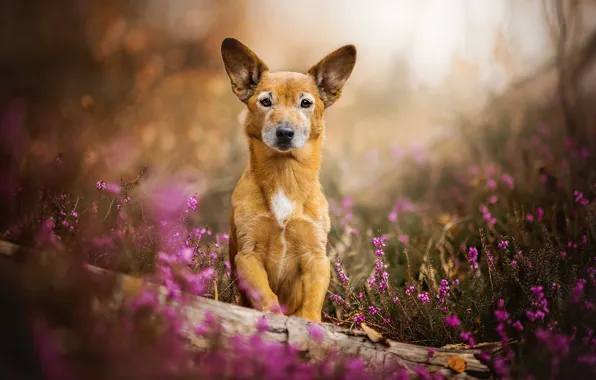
<point x="293" y="236"/>
<point x="282" y="207"/>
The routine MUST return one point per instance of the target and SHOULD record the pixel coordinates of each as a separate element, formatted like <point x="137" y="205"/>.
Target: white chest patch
<point x="282" y="207"/>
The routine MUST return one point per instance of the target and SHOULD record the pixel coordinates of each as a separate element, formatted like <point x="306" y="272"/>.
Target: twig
<point x="109" y="208"/>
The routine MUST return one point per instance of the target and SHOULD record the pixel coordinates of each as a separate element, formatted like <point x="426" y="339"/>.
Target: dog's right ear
<point x="243" y="66"/>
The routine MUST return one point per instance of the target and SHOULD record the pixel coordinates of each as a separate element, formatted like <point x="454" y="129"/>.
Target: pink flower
<point x="473" y="258"/>
<point x="262" y="324"/>
<point x="316" y="332"/>
<point x="518" y="326"/>
<point x="508" y="180"/>
<point x="431" y="353"/>
<point x="424" y="298"/>
<point x="539" y="213"/>
<point x="392" y="216"/>
<point x="113" y="188"/>
<point x="100" y="185"/>
<point x="192" y="203"/>
<point x="452" y="321"/>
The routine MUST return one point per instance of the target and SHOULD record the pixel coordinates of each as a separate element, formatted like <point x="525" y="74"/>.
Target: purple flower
<point x="380" y="277"/>
<point x="100" y="185"/>
<point x="392" y="216"/>
<point x="473" y="258"/>
<point x="431" y="353"/>
<point x="540" y="305"/>
<point x="539" y="213"/>
<point x="501" y="315"/>
<point x="262" y="324"/>
<point x="444" y="289"/>
<point x="316" y="332"/>
<point x="468" y="338"/>
<point x="503" y="244"/>
<point x="518" y="326"/>
<point x="113" y="188"/>
<point x="557" y="344"/>
<point x="379" y="241"/>
<point x="452" y="321"/>
<point x="424" y="298"/>
<point x="486" y="215"/>
<point x="580" y="198"/>
<point x="410" y="290"/>
<point x="343" y="278"/>
<point x="358" y="319"/>
<point x="508" y="180"/>
<point x="578" y="290"/>
<point x="192" y="203"/>
<point x="373" y="310"/>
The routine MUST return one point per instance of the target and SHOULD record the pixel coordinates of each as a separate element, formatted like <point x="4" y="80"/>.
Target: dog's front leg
<point x="253" y="278"/>
<point x="315" y="282"/>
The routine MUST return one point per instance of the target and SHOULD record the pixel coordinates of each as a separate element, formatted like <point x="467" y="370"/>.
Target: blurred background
<point x="112" y="86"/>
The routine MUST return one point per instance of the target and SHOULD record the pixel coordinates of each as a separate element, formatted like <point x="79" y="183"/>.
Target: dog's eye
<point x="305" y="103"/>
<point x="265" y="102"/>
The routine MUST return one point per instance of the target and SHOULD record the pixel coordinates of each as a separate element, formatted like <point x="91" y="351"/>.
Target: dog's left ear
<point x="243" y="66"/>
<point x="332" y="72"/>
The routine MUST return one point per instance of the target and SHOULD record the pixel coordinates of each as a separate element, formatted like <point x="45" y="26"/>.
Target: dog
<point x="280" y="217"/>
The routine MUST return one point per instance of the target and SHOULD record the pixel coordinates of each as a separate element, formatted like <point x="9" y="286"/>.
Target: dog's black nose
<point x="284" y="134"/>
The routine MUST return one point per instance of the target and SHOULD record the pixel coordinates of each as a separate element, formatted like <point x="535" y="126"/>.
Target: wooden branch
<point x="294" y="331"/>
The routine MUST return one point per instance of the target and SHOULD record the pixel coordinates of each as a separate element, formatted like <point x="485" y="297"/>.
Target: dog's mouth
<point x="283" y="147"/>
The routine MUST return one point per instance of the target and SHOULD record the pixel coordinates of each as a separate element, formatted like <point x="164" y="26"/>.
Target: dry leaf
<point x="131" y="286"/>
<point x="373" y="335"/>
<point x="457" y="363"/>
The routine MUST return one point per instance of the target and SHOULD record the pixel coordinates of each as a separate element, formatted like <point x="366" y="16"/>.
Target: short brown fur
<point x="282" y="262"/>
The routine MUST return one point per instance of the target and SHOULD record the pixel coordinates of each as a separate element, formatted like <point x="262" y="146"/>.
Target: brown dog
<point x="280" y="217"/>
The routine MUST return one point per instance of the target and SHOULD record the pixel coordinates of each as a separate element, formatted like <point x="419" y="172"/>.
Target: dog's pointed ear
<point x="332" y="72"/>
<point x="243" y="66"/>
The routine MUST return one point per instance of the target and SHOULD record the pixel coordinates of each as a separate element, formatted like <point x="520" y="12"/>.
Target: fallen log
<point x="294" y="331"/>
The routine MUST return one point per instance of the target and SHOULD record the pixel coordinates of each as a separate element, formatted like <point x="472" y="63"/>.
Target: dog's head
<point x="285" y="110"/>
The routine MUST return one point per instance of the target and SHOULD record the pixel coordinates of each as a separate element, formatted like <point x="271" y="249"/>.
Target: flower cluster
<point x="580" y="198"/>
<point x="473" y="258"/>
<point x="540" y="305"/>
<point x="192" y="203"/>
<point x="503" y="244"/>
<point x="424" y="298"/>
<point x="380" y="277"/>
<point x="343" y="277"/>
<point x="444" y="291"/>
<point x="487" y="216"/>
